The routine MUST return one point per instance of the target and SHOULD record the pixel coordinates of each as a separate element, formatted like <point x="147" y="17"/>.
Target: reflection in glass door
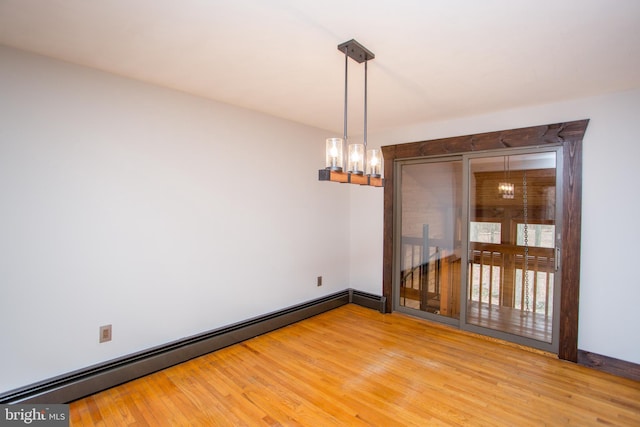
<point x="512" y="286"/>
<point x="429" y="250"/>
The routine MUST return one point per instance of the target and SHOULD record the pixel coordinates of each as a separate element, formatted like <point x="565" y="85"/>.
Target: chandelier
<point x="363" y="166"/>
<point x="506" y="187"/>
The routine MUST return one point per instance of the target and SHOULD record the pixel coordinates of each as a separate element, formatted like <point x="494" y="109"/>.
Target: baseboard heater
<point x="364" y="299"/>
<point x="77" y="384"/>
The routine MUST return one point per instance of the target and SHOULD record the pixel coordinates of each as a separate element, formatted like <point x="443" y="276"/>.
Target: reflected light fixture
<point x="506" y="188"/>
<point x="363" y="166"/>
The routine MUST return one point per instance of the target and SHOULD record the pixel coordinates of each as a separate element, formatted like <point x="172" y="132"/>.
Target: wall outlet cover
<point x="105" y="333"/>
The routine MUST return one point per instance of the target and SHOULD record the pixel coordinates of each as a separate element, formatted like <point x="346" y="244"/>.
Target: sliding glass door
<point x="430" y="243"/>
<point x="513" y="237"/>
<point x="477" y="238"/>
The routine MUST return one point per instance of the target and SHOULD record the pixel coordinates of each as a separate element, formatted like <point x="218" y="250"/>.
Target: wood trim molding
<point x="569" y="135"/>
<point x="609" y="365"/>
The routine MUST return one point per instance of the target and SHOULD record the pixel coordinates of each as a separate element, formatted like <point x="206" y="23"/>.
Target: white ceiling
<point x="435" y="59"/>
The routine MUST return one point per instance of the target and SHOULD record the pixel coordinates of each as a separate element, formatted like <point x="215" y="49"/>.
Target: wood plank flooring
<point x="354" y="366"/>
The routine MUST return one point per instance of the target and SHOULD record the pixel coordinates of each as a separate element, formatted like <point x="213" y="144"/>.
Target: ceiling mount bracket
<point x="356" y="51"/>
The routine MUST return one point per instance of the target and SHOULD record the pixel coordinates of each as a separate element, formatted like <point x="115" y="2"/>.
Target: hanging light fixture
<point x="506" y="188"/>
<point x="363" y="166"/>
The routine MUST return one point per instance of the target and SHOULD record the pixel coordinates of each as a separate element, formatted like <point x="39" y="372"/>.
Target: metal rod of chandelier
<point x="346" y="94"/>
<point x="365" y="113"/>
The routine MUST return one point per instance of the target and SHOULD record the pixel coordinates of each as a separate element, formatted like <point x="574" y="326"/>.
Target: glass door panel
<point x="430" y="244"/>
<point x="511" y="280"/>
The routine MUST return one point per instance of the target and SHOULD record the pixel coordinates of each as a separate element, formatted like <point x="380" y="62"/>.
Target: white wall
<point x="609" y="279"/>
<point x="161" y="213"/>
<point x="366" y="222"/>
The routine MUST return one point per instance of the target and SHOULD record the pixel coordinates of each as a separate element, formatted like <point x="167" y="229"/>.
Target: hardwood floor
<point x="354" y="366"/>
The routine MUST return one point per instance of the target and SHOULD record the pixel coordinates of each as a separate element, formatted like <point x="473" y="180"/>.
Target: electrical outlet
<point x="105" y="333"/>
<point x="319" y="280"/>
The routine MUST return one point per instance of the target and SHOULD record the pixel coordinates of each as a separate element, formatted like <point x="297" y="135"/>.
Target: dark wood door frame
<point x="569" y="135"/>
